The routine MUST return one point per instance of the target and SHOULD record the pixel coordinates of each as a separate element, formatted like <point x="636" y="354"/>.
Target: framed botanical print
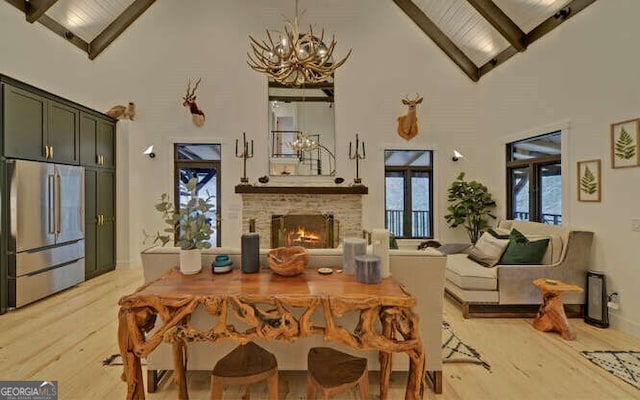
<point x="625" y="144"/>
<point x="589" y="181"/>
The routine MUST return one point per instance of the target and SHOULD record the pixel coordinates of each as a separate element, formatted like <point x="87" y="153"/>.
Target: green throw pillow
<point x="524" y="251"/>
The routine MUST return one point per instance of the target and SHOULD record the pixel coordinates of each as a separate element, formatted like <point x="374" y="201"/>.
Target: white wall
<point x="581" y="76"/>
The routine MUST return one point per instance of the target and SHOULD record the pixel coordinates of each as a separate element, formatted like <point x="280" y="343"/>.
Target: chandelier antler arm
<point x="263" y="46"/>
<point x="328" y="70"/>
<point x="282" y="76"/>
<point x="296" y="58"/>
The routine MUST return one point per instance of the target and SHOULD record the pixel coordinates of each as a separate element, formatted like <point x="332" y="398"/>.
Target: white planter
<point x="190" y="261"/>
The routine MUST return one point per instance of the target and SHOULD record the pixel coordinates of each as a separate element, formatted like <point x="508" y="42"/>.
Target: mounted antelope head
<point x="408" y="123"/>
<point x="197" y="116"/>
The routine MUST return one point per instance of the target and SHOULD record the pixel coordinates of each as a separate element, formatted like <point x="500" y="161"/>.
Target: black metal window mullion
<point x="180" y="163"/>
<point x="408" y="209"/>
<point x="534" y="167"/>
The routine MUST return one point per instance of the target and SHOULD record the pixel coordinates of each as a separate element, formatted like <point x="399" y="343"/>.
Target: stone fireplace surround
<point x="260" y="203"/>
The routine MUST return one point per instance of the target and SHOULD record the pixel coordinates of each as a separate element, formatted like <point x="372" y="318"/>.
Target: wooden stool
<point x="244" y="365"/>
<point x="333" y="372"/>
<point x="551" y="316"/>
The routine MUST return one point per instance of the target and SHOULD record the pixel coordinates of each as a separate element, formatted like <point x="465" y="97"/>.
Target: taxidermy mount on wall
<point x="123" y="112"/>
<point x="408" y="123"/>
<point x="197" y="116"/>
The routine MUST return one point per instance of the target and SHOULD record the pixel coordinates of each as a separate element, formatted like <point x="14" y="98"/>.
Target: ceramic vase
<point x="352" y="247"/>
<point x="250" y="253"/>
<point x="190" y="261"/>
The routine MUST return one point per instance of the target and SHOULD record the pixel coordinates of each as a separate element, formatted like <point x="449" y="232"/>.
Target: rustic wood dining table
<point x="265" y="303"/>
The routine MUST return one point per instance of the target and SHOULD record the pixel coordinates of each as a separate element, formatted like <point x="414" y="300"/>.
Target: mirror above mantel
<point x="301" y="129"/>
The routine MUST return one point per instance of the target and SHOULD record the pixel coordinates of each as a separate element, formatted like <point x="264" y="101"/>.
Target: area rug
<point x="455" y="350"/>
<point x="116" y="359"/>
<point x="623" y="364"/>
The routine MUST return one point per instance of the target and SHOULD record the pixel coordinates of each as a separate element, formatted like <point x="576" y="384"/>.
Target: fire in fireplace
<point x="309" y="229"/>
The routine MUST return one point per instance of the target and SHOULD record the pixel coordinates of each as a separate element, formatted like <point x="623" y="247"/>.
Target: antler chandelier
<point x="295" y="58"/>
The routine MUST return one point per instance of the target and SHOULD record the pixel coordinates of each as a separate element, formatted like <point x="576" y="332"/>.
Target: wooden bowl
<point x="288" y="261"/>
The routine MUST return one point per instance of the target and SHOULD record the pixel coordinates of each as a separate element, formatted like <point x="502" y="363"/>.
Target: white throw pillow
<point x="488" y="250"/>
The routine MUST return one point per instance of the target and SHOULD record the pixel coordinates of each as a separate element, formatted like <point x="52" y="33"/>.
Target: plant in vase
<point x="471" y="204"/>
<point x="191" y="223"/>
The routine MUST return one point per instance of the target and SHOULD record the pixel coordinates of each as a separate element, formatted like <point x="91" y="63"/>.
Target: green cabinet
<point x="97" y="141"/>
<point x="37" y="125"/>
<point x="97" y="155"/>
<point x="39" y="128"/>
<point x="100" y="220"/>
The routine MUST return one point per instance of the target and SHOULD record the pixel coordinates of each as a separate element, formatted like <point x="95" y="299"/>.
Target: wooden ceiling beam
<point x="545" y="27"/>
<point x="19" y="4"/>
<point x="440" y="39"/>
<point x="501" y="22"/>
<point x="63" y="32"/>
<point x="36" y="8"/>
<point x="111" y="32"/>
<point x="553" y="21"/>
<point x="503" y="56"/>
<point x="52" y="25"/>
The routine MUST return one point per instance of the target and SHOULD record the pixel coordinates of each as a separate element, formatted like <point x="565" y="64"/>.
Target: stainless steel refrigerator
<point x="46" y="229"/>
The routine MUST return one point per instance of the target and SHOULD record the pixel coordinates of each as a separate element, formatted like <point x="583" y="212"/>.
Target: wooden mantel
<point x="356" y="189"/>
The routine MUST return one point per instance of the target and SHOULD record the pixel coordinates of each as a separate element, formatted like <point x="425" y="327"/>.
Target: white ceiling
<point x="87" y="18"/>
<point x="477" y="34"/>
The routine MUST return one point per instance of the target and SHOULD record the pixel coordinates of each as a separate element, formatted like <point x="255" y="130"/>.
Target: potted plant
<point x="190" y="223"/>
<point x="471" y="205"/>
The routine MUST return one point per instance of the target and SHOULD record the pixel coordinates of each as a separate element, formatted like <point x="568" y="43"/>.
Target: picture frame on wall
<point x="625" y="144"/>
<point x="589" y="181"/>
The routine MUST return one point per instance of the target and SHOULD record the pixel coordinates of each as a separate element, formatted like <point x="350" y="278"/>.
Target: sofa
<point x="422" y="273"/>
<point x="507" y="290"/>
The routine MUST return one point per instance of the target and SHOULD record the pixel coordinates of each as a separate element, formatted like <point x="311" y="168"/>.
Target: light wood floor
<point x="66" y="337"/>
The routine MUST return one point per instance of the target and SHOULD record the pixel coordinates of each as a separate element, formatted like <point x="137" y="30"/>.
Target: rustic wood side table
<point x="551" y="315"/>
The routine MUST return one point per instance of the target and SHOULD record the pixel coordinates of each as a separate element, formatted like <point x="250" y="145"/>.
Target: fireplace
<point x="309" y="229"/>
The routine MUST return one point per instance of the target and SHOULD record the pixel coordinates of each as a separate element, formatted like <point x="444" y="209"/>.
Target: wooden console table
<point x="263" y="302"/>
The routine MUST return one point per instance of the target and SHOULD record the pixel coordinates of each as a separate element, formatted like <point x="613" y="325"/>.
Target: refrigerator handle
<point x="57" y="200"/>
<point x="51" y="203"/>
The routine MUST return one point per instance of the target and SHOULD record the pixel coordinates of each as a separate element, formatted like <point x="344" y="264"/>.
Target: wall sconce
<point x="149" y="152"/>
<point x="456" y="155"/>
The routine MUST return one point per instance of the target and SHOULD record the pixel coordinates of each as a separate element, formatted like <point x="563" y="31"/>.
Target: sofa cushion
<point x="488" y="250"/>
<point x="500" y="233"/>
<point x="521" y="250"/>
<point x="468" y="274"/>
<point x="536" y="231"/>
<point x="554" y="249"/>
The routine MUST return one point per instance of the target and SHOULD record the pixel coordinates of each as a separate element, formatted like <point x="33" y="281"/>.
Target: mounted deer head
<point x="197" y="116"/>
<point x="408" y="123"/>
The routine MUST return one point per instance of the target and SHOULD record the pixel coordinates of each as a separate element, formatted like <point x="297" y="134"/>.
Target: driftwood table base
<point x="245" y="307"/>
<point x="551" y="316"/>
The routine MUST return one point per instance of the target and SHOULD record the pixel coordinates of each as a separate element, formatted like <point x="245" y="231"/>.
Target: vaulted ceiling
<point x="478" y="35"/>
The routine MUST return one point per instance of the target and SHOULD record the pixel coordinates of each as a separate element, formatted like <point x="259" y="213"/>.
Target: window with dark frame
<point x="409" y="193"/>
<point x="534" y="179"/>
<point x="202" y="161"/>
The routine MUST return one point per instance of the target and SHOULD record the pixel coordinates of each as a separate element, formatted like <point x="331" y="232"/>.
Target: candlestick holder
<point x="357" y="155"/>
<point x="244" y="154"/>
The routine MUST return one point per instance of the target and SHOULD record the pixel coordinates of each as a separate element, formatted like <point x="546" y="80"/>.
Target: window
<point x="534" y="187"/>
<point x="408" y="193"/>
<point x="201" y="161"/>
